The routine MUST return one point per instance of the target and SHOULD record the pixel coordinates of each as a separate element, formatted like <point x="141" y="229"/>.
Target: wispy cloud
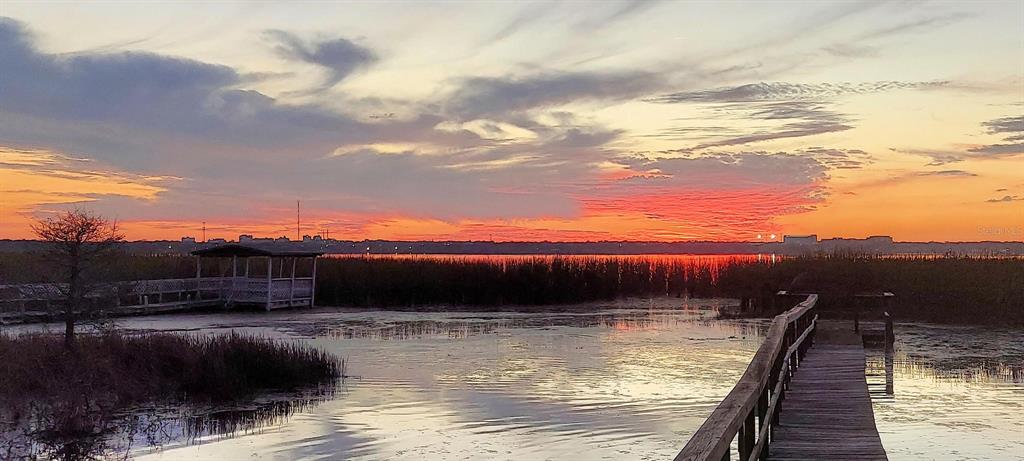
<point x="482" y="96"/>
<point x="616" y="13"/>
<point x="788" y="119"/>
<point x="804" y="108"/>
<point x="1012" y="129"/>
<point x="33" y="179"/>
<point x="946" y="174"/>
<point x="341" y="57"/>
<point x="1011" y="125"/>
<point x="911" y="26"/>
<point x="1006" y="199"/>
<point x="783" y="91"/>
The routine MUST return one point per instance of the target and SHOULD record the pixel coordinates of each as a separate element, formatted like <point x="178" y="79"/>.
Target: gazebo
<point x="259" y="275"/>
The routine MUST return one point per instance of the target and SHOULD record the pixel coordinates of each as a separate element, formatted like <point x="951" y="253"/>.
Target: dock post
<point x="747" y="436"/>
<point x="890" y="352"/>
<point x="890" y="336"/>
<point x="889" y="380"/>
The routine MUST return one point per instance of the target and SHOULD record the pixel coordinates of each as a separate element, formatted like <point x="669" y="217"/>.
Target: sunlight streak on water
<point x="612" y="384"/>
<point x="622" y="380"/>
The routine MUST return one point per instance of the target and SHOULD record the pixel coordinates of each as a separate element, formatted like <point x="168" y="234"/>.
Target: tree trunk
<point x="69" y="331"/>
<point x="71" y="310"/>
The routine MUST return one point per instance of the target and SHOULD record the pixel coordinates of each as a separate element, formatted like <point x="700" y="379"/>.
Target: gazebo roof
<point x="234" y="249"/>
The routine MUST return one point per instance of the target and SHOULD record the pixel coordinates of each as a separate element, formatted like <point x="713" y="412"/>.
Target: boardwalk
<point x="804" y="396"/>
<point x="827" y="411"/>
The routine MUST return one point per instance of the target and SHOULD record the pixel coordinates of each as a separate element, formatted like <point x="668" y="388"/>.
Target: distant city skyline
<point x="562" y="121"/>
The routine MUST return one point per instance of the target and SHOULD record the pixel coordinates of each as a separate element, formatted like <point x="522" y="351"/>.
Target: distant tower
<point x="298" y="221"/>
<point x="204" y="231"/>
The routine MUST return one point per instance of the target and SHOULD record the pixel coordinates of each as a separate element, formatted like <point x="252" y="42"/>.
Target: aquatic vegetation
<point x="129" y="368"/>
<point x="499" y="281"/>
<point x="935" y="288"/>
<point x="945" y="289"/>
<point x="941" y="289"/>
<point x="66" y="403"/>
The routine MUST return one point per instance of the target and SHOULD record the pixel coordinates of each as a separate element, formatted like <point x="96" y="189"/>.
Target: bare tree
<point x="79" y="244"/>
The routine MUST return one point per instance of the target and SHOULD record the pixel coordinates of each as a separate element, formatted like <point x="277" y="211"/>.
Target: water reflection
<point x="462" y="327"/>
<point x="609" y="382"/>
<point x="222" y="422"/>
<point x="72" y="433"/>
<point x="618" y="381"/>
<point x="958" y="393"/>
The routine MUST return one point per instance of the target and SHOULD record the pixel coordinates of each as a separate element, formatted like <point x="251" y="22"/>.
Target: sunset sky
<point x="637" y="120"/>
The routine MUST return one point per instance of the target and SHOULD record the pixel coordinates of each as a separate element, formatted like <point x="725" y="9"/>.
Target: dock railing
<point x="40" y="300"/>
<point x="751" y="410"/>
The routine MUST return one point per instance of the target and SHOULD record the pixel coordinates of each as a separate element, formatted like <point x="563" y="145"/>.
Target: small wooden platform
<point x="827" y="411"/>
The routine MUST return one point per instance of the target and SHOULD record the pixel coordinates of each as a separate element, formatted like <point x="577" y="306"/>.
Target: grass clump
<point x="123" y="369"/>
<point x="84" y="402"/>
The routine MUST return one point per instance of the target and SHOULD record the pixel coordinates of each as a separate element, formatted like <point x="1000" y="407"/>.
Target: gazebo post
<point x="270" y="280"/>
<point x="231" y="288"/>
<point x="312" y="284"/>
<point x="199" y="276"/>
<point x="291" y="291"/>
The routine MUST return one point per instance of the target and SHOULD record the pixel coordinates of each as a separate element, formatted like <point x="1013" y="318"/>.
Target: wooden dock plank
<point x="827" y="410"/>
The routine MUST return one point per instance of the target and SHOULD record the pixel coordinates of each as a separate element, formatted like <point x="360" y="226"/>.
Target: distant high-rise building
<point x="191" y="240"/>
<point x="800" y="239"/>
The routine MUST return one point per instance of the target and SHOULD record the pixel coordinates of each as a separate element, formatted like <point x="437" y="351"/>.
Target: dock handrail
<point x="758" y="394"/>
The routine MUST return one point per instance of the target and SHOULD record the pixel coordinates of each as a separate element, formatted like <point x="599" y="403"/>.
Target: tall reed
<point x="944" y="288"/>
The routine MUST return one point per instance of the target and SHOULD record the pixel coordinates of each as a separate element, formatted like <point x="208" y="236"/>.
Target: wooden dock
<point x="804" y="396"/>
<point x="828" y="411"/>
<point x="278" y="285"/>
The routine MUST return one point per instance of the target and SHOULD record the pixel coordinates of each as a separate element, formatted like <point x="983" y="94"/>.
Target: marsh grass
<point x="933" y="288"/>
<point x="499" y="281"/>
<point x="943" y="289"/>
<point x="82" y="403"/>
<point x="123" y="369"/>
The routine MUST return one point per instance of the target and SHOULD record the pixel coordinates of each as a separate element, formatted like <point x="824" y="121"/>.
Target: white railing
<point x="227" y="290"/>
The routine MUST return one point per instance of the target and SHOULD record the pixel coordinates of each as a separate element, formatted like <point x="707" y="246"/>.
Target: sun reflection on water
<point x="622" y="380"/>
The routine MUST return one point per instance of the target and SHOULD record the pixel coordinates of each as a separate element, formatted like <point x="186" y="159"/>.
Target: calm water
<point x="613" y="384"/>
<point x="958" y="393"/>
<point x="628" y="380"/>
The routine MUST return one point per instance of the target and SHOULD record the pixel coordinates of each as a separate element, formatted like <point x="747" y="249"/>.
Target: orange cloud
<point x="33" y="180"/>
